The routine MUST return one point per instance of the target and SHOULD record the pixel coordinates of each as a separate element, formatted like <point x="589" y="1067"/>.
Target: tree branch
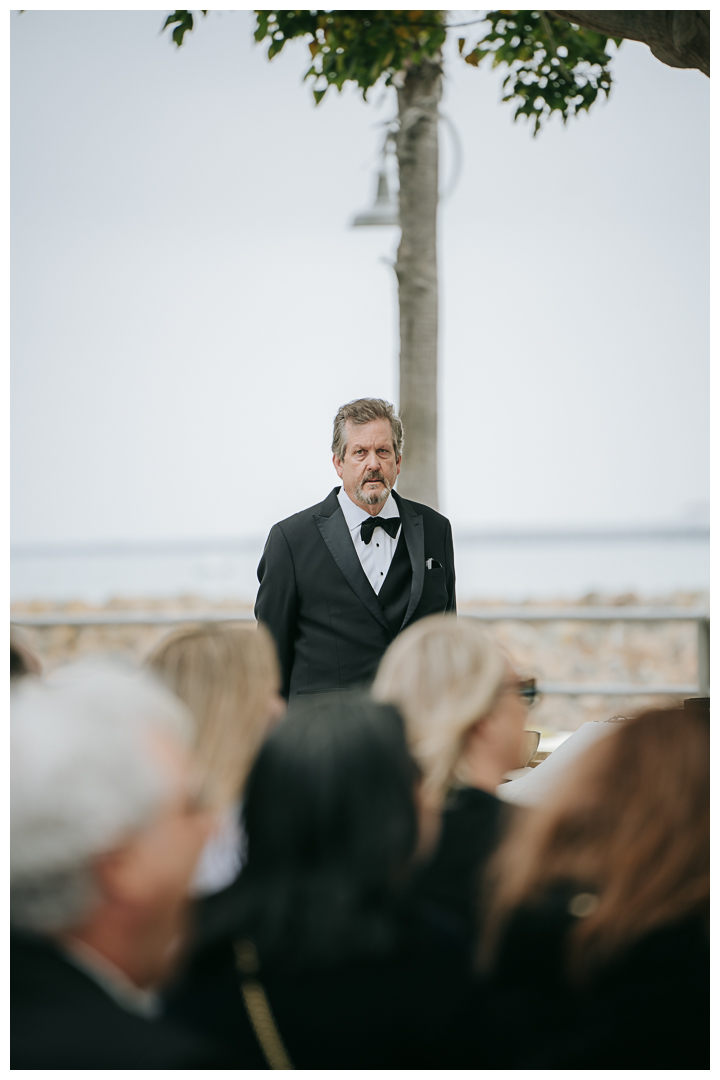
<point x="551" y="38"/>
<point x="678" y="38"/>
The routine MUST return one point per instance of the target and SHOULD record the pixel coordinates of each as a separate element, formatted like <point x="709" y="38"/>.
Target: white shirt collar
<point x="355" y="515"/>
<point x="111" y="979"/>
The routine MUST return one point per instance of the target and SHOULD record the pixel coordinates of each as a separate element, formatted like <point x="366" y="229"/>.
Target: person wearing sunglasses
<point x="465" y="710"/>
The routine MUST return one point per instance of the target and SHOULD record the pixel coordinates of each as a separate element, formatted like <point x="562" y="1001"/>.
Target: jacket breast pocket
<point x="435" y="589"/>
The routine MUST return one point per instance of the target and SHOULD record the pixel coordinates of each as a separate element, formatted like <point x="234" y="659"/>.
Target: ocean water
<point x="511" y="567"/>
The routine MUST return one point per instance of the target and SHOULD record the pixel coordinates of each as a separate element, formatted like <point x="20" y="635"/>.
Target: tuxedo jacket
<point x="330" y="627"/>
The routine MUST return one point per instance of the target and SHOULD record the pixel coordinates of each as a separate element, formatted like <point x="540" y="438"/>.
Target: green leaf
<point x="360" y="47"/>
<point x="573" y="63"/>
<point x="184" y="22"/>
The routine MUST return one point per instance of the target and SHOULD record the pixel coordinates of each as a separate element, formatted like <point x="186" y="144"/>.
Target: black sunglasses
<point x="527" y="689"/>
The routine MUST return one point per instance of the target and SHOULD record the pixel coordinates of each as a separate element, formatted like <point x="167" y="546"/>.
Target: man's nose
<point x="373" y="460"/>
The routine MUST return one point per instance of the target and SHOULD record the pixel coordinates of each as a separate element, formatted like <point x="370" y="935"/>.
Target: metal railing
<point x="489" y="614"/>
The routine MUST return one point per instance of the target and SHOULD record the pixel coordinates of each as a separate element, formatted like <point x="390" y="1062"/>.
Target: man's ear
<point x="117" y="876"/>
<point x="398" y="459"/>
<point x="338" y="465"/>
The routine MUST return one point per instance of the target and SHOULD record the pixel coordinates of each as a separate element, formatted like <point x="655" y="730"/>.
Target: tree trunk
<point x="416" y="269"/>
<point x="677" y="38"/>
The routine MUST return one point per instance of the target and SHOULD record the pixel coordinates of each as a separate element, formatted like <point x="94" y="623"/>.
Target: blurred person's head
<point x="229" y="678"/>
<point x="332" y="827"/>
<point x="104" y="831"/>
<point x="459" y="697"/>
<point x="23" y="660"/>
<point x="367" y="449"/>
<point x="629" y="826"/>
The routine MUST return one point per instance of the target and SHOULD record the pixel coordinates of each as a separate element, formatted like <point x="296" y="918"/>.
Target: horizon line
<point x="489" y="535"/>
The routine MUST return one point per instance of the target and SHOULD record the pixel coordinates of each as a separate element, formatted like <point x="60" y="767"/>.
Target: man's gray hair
<point x="364" y="411"/>
<point x="83" y="778"/>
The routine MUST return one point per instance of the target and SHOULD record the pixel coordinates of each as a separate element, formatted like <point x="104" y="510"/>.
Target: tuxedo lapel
<point x="414" y="531"/>
<point x="336" y="535"/>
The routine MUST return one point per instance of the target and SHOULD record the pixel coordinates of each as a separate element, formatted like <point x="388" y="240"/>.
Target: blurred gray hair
<point x="364" y="411"/>
<point x="83" y="778"/>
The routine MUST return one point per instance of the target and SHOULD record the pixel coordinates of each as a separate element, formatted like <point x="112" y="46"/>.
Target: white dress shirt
<point x="375" y="557"/>
<point x="222" y="858"/>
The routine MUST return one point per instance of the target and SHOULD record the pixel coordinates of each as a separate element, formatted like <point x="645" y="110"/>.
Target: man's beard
<point x="376" y="496"/>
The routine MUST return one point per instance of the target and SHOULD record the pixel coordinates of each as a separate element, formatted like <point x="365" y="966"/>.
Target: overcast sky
<point x="190" y="307"/>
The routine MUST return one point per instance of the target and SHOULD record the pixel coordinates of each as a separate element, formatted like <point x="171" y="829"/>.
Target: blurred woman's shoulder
<point x="647" y="1007"/>
<point x="447" y="885"/>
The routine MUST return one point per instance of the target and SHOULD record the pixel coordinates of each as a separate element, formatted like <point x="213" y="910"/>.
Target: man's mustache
<point x="374" y="476"/>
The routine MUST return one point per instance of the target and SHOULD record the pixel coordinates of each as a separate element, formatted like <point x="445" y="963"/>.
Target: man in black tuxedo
<point x="339" y="581"/>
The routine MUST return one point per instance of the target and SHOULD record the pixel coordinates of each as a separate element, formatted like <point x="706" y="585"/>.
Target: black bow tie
<point x="370" y="524"/>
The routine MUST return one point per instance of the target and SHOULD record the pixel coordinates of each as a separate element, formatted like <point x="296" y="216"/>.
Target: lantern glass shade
<point x="385" y="209"/>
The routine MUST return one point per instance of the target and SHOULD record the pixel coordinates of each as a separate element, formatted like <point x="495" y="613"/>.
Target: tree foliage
<point x="554" y="65"/>
<point x="184" y="21"/>
<point x="354" y="46"/>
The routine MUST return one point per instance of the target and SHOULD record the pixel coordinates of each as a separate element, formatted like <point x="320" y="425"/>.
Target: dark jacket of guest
<point x="393" y="1012"/>
<point x="646" y="1009"/>
<point x="60" y="1018"/>
<point x="330" y="627"/>
<point x="448" y="886"/>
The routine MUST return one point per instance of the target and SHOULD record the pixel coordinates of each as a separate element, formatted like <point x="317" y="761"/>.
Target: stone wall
<point x="645" y="653"/>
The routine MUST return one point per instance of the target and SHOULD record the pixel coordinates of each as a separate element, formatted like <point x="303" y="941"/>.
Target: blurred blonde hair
<point x="444" y="674"/>
<point x="631" y="824"/>
<point x="227" y="676"/>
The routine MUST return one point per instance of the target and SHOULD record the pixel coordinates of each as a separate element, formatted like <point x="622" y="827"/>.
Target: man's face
<point x="369" y="468"/>
<point x="145" y="882"/>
